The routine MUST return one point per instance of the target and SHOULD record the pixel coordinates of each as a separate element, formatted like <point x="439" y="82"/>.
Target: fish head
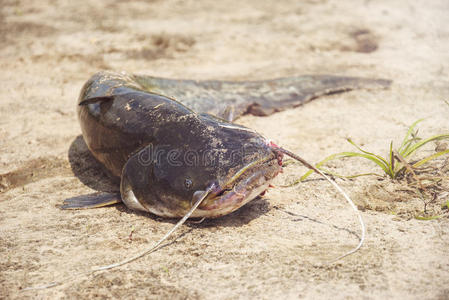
<point x="167" y="179"/>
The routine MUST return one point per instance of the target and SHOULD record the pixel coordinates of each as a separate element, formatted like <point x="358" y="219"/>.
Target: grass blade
<point x="373" y="158"/>
<point x="391" y="165"/>
<point x="368" y="153"/>
<point x="318" y="165"/>
<point x="423" y="218"/>
<point x="429" y="158"/>
<point x="418" y="145"/>
<point x="406" y="141"/>
<point x="381" y="162"/>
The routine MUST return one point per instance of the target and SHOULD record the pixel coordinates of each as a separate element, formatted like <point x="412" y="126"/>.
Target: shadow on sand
<point x="89" y="170"/>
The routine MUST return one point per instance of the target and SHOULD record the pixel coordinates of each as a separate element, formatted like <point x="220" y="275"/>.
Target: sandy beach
<point x="275" y="246"/>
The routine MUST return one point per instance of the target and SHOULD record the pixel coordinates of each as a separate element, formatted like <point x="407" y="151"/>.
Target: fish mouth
<point x="246" y="184"/>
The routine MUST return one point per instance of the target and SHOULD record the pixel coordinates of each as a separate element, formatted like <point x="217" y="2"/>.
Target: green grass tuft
<point x="397" y="163"/>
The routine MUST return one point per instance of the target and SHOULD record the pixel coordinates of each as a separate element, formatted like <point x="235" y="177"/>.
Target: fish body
<point x="169" y="140"/>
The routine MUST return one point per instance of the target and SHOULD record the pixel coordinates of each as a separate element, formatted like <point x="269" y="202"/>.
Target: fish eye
<point x="188" y="183"/>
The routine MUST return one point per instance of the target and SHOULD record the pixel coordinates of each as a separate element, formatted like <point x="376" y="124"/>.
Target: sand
<point x="275" y="246"/>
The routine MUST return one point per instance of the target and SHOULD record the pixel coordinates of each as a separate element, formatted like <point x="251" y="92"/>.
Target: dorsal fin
<point x="96" y="100"/>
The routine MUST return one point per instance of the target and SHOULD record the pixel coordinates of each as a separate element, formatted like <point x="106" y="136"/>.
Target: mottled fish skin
<point x="125" y="118"/>
<point x="126" y="129"/>
<point x="231" y="99"/>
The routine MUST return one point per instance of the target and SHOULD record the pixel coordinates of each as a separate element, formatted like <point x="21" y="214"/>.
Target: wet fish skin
<point x="132" y="133"/>
<point x="133" y="123"/>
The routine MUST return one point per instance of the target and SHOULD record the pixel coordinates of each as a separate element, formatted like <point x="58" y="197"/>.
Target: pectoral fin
<point x="93" y="200"/>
